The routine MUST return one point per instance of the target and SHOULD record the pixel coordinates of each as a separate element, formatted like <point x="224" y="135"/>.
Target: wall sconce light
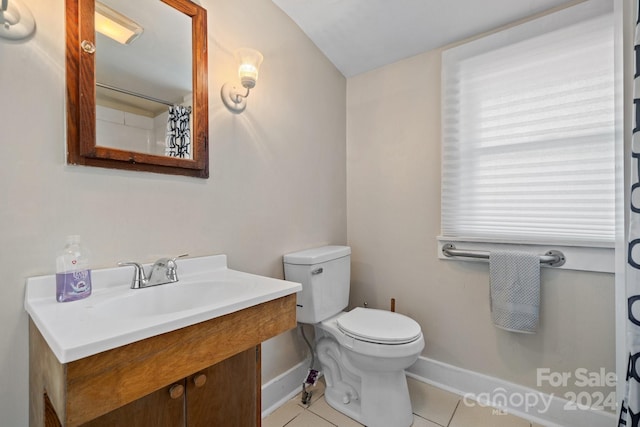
<point x="115" y="25"/>
<point x="16" y="20"/>
<point x="249" y="62"/>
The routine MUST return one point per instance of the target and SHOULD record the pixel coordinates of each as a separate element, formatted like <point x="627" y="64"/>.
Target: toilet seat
<point x="379" y="326"/>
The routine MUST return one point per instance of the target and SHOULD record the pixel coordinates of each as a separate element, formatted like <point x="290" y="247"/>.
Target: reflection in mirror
<point x="139" y="103"/>
<point x="138" y="82"/>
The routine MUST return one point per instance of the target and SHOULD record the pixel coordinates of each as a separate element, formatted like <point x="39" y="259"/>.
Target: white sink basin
<point x="171" y="298"/>
<point x="115" y="315"/>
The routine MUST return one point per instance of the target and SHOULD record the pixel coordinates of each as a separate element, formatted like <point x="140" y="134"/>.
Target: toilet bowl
<point x="363" y="352"/>
<point x="366" y="379"/>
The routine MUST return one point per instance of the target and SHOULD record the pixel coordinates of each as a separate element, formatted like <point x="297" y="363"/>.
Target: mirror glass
<point x="137" y="83"/>
<point x="141" y="105"/>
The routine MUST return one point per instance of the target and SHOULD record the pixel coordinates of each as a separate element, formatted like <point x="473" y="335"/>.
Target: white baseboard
<point x="469" y="384"/>
<point x="283" y="388"/>
<point x="512" y="398"/>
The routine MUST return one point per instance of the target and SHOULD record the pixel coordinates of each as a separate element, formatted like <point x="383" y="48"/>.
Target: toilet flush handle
<point x="317" y="271"/>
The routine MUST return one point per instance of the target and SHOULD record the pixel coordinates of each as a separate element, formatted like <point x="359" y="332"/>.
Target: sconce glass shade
<point x="115" y="25"/>
<point x="249" y="62"/>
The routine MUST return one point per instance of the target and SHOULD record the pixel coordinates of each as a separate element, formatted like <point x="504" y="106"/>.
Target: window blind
<point x="529" y="136"/>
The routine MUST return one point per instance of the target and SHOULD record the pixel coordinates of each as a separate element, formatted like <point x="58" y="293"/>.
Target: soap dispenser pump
<point x="73" y="275"/>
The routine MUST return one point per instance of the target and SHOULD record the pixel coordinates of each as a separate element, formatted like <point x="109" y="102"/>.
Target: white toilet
<point x="364" y="352"/>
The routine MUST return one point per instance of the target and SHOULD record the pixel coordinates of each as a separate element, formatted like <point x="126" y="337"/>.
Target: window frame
<point x="588" y="256"/>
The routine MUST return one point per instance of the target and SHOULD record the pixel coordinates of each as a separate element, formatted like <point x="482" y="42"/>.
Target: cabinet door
<point x="162" y="408"/>
<point x="226" y="394"/>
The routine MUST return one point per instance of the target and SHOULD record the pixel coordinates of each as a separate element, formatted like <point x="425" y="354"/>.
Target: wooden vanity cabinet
<point x="203" y="375"/>
<point x="200" y="400"/>
<point x="208" y="404"/>
<point x="163" y="408"/>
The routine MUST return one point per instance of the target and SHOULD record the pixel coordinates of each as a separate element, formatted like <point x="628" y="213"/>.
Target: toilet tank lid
<point x="317" y="255"/>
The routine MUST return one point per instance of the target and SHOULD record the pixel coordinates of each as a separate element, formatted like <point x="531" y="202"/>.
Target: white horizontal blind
<point x="528" y="137"/>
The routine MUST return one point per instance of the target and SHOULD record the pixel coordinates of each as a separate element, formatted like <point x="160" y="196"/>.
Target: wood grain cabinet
<point x="200" y="400"/>
<point x="204" y="375"/>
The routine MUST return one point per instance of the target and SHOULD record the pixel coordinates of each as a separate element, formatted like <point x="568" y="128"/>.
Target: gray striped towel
<point x="515" y="290"/>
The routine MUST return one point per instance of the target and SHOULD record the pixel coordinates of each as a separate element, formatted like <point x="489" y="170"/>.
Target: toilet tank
<point x="325" y="275"/>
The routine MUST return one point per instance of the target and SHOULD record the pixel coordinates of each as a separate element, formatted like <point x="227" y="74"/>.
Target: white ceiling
<point x="361" y="35"/>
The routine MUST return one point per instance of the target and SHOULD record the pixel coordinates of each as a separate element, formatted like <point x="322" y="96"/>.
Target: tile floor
<point x="432" y="407"/>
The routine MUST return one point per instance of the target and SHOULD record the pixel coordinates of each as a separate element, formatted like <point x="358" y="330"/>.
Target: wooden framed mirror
<point x="141" y="106"/>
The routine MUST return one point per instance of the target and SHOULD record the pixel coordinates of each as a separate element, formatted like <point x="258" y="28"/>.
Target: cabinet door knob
<point x="176" y="391"/>
<point x="199" y="380"/>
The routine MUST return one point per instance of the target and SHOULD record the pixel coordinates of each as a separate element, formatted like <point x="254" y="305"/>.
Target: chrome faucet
<point x="163" y="271"/>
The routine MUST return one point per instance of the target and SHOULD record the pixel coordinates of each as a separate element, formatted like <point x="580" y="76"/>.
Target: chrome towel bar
<point x="552" y="258"/>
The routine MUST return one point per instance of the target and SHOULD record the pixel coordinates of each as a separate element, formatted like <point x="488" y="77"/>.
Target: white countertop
<point x="115" y="315"/>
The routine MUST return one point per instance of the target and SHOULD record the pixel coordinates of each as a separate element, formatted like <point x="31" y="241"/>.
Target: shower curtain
<point x="630" y="407"/>
<point x="178" y="142"/>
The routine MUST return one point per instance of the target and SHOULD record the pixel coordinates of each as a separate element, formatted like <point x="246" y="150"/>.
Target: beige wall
<point x="277" y="174"/>
<point x="277" y="184"/>
<point x="393" y="191"/>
